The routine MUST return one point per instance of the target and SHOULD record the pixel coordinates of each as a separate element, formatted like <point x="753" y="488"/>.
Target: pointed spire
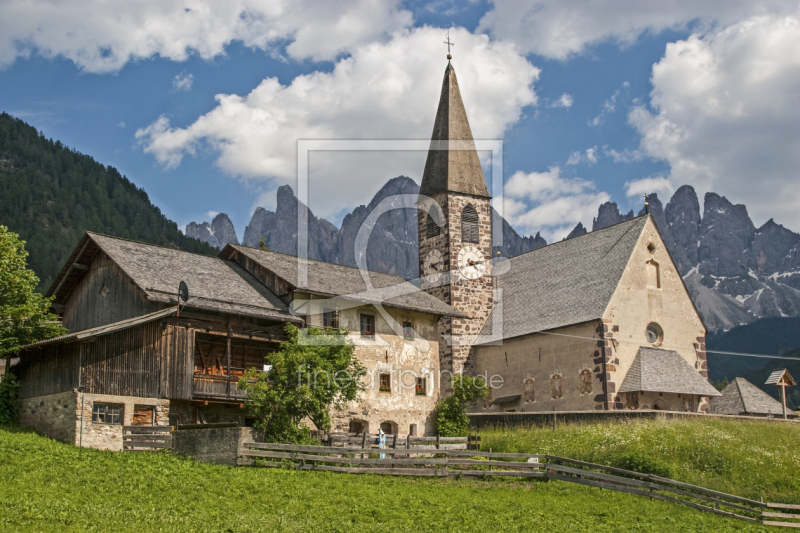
<point x="455" y="165"/>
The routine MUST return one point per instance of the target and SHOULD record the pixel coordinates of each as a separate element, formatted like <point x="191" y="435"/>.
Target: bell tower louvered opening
<point x="433" y="228"/>
<point x="469" y="225"/>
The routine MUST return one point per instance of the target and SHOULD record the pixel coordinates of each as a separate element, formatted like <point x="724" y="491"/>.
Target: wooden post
<point x="228" y="363"/>
<point x="438" y="436"/>
<point x="554" y="422"/>
<point x="783" y="396"/>
<point x="408" y="446"/>
<point x="363" y="442"/>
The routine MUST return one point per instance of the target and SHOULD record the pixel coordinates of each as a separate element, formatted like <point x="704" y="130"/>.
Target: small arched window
<point x="469" y="225"/>
<point x="433" y="227"/>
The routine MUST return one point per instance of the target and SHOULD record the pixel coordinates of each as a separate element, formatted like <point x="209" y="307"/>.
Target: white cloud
<point x="564" y="101"/>
<point x="211" y="214"/>
<point x="625" y="156"/>
<point x="725" y="115"/>
<point x="608" y="107"/>
<point x="561" y="28"/>
<point x="637" y="188"/>
<point x="549" y="203"/>
<point x="590" y="156"/>
<point x="100" y="36"/>
<point x="383" y="91"/>
<point x="183" y="82"/>
<point x="121" y="124"/>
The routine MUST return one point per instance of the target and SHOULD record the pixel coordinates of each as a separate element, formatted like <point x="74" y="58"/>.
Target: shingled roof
<point x="741" y="397"/>
<point x="214" y="284"/>
<point x="347" y="282"/>
<point x="564" y="283"/>
<point x="657" y="370"/>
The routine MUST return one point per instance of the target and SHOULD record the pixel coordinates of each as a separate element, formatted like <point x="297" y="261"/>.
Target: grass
<point x="49" y="486"/>
<point x="753" y="459"/>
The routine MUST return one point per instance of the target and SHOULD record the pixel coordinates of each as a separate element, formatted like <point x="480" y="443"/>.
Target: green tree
<point x="451" y="413"/>
<point x="24" y="313"/>
<point x="312" y="373"/>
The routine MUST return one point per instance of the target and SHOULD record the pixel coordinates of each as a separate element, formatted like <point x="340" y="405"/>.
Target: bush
<point x="9" y="387"/>
<point x="451" y="413"/>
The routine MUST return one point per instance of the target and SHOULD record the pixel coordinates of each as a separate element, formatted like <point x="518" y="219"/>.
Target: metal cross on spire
<point x="449" y="44"/>
<point x="646" y="203"/>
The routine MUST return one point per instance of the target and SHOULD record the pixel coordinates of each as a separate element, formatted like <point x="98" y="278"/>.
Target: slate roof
<point x="741" y="397"/>
<point x="564" y="283"/>
<point x="330" y="279"/>
<point x="657" y="370"/>
<point x="452" y="163"/>
<point x="214" y="284"/>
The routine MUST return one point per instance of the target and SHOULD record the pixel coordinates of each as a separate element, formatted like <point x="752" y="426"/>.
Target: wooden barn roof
<point x="214" y="283"/>
<point x="329" y="279"/>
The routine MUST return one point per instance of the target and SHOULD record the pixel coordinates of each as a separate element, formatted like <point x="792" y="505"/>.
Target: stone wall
<point x="548" y="372"/>
<point x="54" y="415"/>
<point x="404" y="361"/>
<point x="640" y="299"/>
<point x="213" y="445"/>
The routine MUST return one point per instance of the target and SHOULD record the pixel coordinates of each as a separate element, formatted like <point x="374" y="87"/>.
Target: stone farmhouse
<point x="598" y="322"/>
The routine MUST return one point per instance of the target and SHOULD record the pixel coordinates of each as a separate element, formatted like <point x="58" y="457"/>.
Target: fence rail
<point x="144" y="438"/>
<point x="423" y="460"/>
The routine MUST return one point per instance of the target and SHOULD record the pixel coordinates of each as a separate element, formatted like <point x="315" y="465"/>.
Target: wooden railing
<point x="142" y="438"/>
<point x="215" y="386"/>
<point x="426" y="460"/>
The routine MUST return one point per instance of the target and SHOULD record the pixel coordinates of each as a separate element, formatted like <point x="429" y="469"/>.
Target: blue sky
<point x="594" y="102"/>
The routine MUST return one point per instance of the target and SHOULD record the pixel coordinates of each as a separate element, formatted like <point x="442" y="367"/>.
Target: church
<point x="601" y="321"/>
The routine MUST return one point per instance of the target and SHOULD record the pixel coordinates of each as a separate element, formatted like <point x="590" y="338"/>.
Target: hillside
<point x="50" y="195"/>
<point x="49" y="486"/>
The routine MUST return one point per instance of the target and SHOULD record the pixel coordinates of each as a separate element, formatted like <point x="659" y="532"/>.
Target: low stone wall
<point x="54" y="415"/>
<point x="545" y="418"/>
<point x="218" y="445"/>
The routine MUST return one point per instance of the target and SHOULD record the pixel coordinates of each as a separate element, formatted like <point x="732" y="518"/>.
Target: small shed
<point x="743" y="398"/>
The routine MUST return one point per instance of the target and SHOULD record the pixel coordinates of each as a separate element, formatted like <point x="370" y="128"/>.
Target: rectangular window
<point x="408" y="331"/>
<point x="330" y="319"/>
<point x="104" y="413"/>
<point x="368" y="326"/>
<point x="420" y="388"/>
<point x="386" y="383"/>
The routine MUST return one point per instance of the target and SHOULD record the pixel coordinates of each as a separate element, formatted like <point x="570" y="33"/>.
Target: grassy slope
<point x="751" y="459"/>
<point x="49" y="486"/>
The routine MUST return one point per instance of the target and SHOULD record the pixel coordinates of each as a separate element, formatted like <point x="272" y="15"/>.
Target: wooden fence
<point x="426" y="460"/>
<point x="370" y="440"/>
<point x="143" y="438"/>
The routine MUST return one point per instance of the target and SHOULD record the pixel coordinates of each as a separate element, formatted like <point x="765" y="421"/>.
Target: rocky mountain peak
<point x="217" y="234"/>
<point x="577" y="230"/>
<point x="725" y="232"/>
<point x="608" y="214"/>
<point x="682" y="215"/>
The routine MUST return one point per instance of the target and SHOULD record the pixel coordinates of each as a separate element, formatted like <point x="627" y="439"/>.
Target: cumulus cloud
<point x="101" y="36"/>
<point x="637" y="188"/>
<point x="560" y="28"/>
<point x="549" y="203"/>
<point x="382" y="91"/>
<point x="183" y="82"/>
<point x="589" y="156"/>
<point x="625" y="156"/>
<point x="725" y="111"/>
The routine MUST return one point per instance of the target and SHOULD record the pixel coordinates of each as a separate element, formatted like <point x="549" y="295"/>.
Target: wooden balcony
<point x="216" y="386"/>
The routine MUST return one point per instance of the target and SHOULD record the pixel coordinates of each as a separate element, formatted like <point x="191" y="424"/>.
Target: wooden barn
<point x="131" y="358"/>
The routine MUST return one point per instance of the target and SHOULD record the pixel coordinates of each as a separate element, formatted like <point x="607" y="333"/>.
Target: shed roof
<point x="104" y="330"/>
<point x="741" y="397"/>
<point x="330" y="279"/>
<point x="657" y="370"/>
<point x="564" y="283"/>
<point x="214" y="283"/>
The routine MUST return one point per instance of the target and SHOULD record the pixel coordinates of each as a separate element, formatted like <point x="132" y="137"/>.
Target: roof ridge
<point x="95" y="233"/>
<point x="594" y="232"/>
<point x="318" y="261"/>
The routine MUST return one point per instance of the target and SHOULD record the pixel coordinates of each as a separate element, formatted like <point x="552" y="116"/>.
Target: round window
<point x="654" y="334"/>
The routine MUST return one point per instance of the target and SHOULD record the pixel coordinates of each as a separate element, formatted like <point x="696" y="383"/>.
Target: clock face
<point x="434" y="266"/>
<point x="471" y="262"/>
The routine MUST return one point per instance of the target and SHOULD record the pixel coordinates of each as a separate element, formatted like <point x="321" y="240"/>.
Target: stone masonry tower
<point x="455" y="257"/>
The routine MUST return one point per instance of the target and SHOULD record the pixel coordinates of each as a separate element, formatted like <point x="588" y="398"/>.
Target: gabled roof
<point x="564" y="283"/>
<point x="452" y="164"/>
<point x="657" y="370"/>
<point x="781" y="376"/>
<point x="329" y="279"/>
<point x="741" y="397"/>
<point x="214" y="284"/>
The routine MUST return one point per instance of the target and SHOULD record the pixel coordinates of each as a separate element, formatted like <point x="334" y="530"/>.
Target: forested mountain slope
<point x="50" y="195"/>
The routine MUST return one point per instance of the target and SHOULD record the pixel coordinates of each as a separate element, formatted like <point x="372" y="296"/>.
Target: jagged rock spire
<point x="455" y="165"/>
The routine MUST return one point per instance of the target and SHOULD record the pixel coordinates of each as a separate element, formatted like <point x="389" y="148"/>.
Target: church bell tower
<point x="455" y="253"/>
